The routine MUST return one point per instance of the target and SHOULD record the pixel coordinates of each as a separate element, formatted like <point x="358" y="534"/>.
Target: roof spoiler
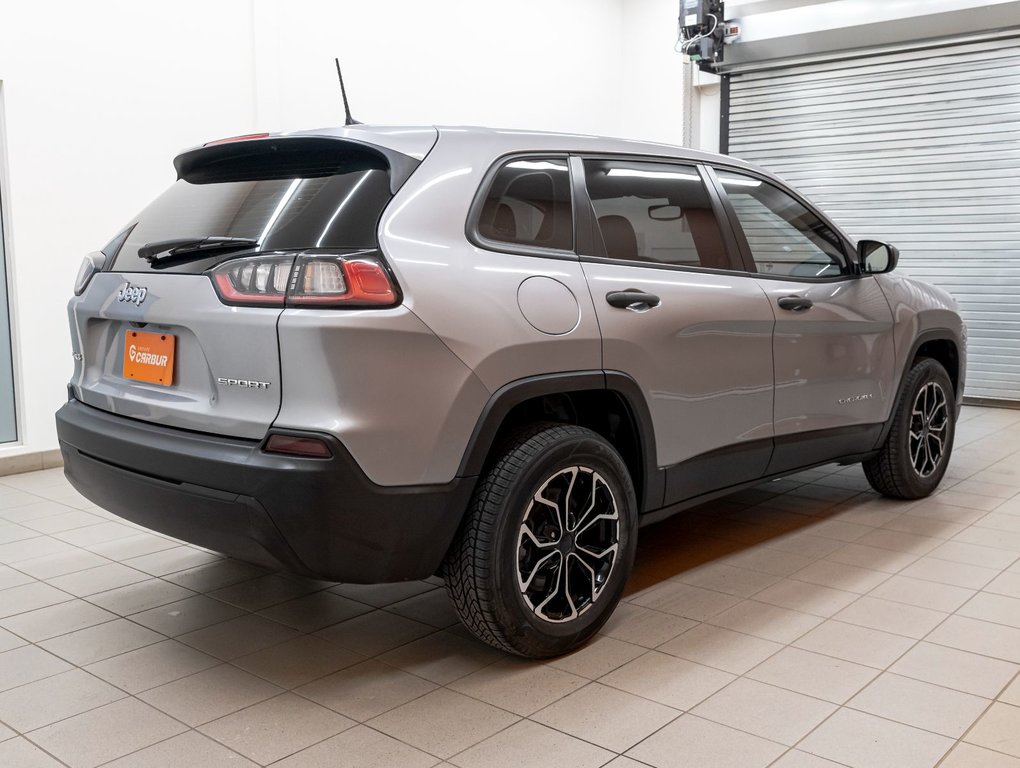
<point x="287" y="157"/>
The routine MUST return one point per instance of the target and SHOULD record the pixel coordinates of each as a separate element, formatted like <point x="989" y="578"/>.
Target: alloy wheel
<point x="568" y="544"/>
<point x="929" y="421"/>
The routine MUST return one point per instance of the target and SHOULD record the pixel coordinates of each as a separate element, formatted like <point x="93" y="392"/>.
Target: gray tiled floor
<point x="800" y="624"/>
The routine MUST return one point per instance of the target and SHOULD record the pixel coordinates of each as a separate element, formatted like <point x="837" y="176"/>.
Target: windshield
<point x="338" y="211"/>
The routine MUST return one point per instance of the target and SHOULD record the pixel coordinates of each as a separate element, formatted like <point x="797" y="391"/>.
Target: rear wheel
<point x="548" y="543"/>
<point x="911" y="463"/>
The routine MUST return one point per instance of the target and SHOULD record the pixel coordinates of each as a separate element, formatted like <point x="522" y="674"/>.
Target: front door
<point x="833" y="343"/>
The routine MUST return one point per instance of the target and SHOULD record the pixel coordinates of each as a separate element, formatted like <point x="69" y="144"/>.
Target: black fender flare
<point x="935" y="334"/>
<point x="516" y="392"/>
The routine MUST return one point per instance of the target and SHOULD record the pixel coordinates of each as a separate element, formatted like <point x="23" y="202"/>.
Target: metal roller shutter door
<point x="920" y="148"/>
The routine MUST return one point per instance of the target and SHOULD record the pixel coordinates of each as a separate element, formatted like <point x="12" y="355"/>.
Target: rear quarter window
<point x="528" y="203"/>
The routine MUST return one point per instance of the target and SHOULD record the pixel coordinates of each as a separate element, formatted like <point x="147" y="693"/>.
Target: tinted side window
<point x="785" y="237"/>
<point x="655" y="212"/>
<point x="528" y="203"/>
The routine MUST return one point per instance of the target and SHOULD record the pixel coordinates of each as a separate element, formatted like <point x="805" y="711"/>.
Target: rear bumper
<point x="318" y="517"/>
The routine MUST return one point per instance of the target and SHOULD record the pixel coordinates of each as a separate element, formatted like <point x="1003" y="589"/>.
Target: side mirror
<point x="876" y="257"/>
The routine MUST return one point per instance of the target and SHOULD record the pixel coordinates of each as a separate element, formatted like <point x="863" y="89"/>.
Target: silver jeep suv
<point x="373" y="354"/>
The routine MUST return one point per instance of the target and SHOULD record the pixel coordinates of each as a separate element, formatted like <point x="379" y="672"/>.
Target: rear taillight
<point x="306" y="280"/>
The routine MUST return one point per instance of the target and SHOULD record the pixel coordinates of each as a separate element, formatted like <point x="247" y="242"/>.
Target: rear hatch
<point x="155" y="339"/>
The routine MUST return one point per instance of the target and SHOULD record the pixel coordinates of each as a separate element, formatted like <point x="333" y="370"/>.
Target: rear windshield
<point x="338" y="211"/>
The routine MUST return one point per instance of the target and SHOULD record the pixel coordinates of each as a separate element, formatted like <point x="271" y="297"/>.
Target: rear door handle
<point x="638" y="301"/>
<point x="795" y="303"/>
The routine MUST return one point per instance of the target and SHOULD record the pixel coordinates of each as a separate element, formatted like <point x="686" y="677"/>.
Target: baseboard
<point x="30" y="462"/>
<point x="989" y="402"/>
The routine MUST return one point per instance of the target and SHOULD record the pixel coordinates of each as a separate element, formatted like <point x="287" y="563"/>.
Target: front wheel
<point x="548" y="543"/>
<point x="914" y="457"/>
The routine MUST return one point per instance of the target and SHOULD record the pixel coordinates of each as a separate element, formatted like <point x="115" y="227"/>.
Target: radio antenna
<point x="343" y="92"/>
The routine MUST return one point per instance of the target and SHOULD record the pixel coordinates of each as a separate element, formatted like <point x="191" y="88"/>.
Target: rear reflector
<point x="293" y="445"/>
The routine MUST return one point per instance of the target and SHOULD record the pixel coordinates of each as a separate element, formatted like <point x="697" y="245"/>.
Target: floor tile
<point x="998" y="729"/>
<point x="677" y="683"/>
<point x="30" y="597"/>
<point x="28" y="664"/>
<point x="895" y="618"/>
<point x="1005" y="584"/>
<point x="530" y="745"/>
<point x="140" y="596"/>
<point x="520" y="686"/>
<point x="433" y="608"/>
<point x="973" y="554"/>
<point x="187" y="615"/>
<point x="375" y="633"/>
<point x="970" y="756"/>
<point x="847" y="578"/>
<point x="86" y="646"/>
<point x="166" y="561"/>
<point x="98" y="579"/>
<point x="797" y="759"/>
<point x="20" y="752"/>
<point x="692" y="741"/>
<point x="875" y="558"/>
<point x="381" y="595"/>
<point x="275" y="728"/>
<point x="9" y="641"/>
<point x="860" y="740"/>
<point x="923" y="594"/>
<point x="359" y="747"/>
<point x="920" y="704"/>
<point x="100" y="735"/>
<point x="59" y="619"/>
<point x="720" y="577"/>
<point x="314" y="611"/>
<point x="643" y="626"/>
<point x="721" y="648"/>
<point x="999" y="609"/>
<point x="806" y="598"/>
<point x="770" y="622"/>
<point x="152" y="666"/>
<point x="765" y="711"/>
<point x="860" y="645"/>
<point x="238" y="637"/>
<point x="976" y="636"/>
<point x="598" y="657"/>
<point x="366" y="690"/>
<point x="686" y="601"/>
<point x="209" y="694"/>
<point x="183" y="751"/>
<point x="133" y="546"/>
<point x="442" y="657"/>
<point x="70" y="561"/>
<point x="45" y="701"/>
<point x="298" y="661"/>
<point x="948" y="572"/>
<point x="215" y="575"/>
<point x="443" y="722"/>
<point x="813" y="674"/>
<point x="606" y="716"/>
<point x="956" y="669"/>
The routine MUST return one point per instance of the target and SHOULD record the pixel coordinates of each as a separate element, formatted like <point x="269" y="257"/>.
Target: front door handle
<point x="795" y="303"/>
<point x="639" y="301"/>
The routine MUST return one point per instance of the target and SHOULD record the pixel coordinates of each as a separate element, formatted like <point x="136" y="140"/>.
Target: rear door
<point x="223" y="375"/>
<point x="833" y="344"/>
<point x="699" y="343"/>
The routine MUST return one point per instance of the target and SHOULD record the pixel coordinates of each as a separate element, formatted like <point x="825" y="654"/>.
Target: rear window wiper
<point x="184" y="249"/>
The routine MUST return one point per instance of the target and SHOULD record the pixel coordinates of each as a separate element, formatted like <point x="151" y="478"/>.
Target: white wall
<point x="100" y="96"/>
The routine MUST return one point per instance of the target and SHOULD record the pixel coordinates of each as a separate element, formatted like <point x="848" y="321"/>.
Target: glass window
<point x="655" y="212"/>
<point x="341" y="210"/>
<point x="785" y="237"/>
<point x="528" y="203"/>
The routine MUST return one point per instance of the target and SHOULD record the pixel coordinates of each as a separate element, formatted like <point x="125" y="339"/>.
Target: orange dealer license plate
<point x="149" y="357"/>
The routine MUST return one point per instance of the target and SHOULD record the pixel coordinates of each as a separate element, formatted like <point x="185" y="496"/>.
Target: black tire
<point x="513" y="576"/>
<point x="914" y="457"/>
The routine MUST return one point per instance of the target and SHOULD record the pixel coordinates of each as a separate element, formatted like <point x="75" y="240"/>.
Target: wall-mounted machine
<point x="704" y="32"/>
